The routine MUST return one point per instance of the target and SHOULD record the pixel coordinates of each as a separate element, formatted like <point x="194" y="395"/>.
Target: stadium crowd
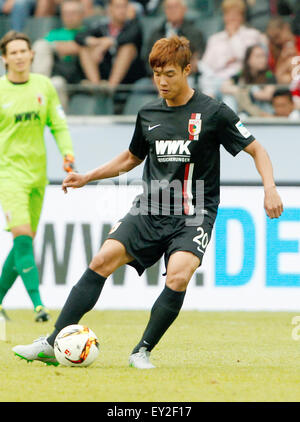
<point x="245" y="52"/>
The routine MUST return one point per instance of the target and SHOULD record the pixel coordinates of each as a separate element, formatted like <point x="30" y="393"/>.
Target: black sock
<point x="163" y="313"/>
<point x="81" y="299"/>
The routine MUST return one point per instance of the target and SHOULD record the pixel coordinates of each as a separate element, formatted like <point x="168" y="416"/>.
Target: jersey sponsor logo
<point x="172" y="150"/>
<point x="153" y="127"/>
<point x="243" y="131"/>
<point x="27" y="117"/>
<point x="194" y="126"/>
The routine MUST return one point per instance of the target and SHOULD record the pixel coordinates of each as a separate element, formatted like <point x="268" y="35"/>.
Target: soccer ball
<point x="76" y="345"/>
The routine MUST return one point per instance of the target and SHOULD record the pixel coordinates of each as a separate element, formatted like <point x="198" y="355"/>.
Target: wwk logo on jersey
<point x="194" y="126"/>
<point x="172" y="151"/>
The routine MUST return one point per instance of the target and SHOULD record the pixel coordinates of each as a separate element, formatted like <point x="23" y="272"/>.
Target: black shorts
<point x="148" y="237"/>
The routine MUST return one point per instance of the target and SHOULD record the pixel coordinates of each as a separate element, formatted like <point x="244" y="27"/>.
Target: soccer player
<point x="180" y="135"/>
<point x="28" y="102"/>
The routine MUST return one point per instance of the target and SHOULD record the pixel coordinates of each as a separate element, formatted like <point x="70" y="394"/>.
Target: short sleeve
<point x="231" y="132"/>
<point x="139" y="145"/>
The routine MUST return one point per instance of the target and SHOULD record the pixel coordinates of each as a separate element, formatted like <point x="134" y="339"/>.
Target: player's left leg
<point x="26" y="266"/>
<point x="14" y="199"/>
<point x="181" y="267"/>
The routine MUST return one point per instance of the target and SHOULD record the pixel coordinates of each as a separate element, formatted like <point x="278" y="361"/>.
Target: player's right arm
<point x="126" y="161"/>
<point x="123" y="163"/>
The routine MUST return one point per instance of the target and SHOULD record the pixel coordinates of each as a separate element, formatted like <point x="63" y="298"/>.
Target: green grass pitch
<point x="204" y="357"/>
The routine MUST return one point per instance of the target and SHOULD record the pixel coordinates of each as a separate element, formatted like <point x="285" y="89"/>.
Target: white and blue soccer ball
<point x="76" y="345"/>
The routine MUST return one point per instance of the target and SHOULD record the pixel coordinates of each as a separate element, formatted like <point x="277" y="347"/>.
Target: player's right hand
<point x="74" y="180"/>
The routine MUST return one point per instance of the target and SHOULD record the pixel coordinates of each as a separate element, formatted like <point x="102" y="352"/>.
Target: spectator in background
<point x="258" y="13"/>
<point x="20" y="10"/>
<point x="57" y="55"/>
<point x="147" y="7"/>
<point x="110" y="51"/>
<point x="225" y="50"/>
<point x="283" y="104"/>
<point x="251" y="90"/>
<point x="283" y="47"/>
<point x="268" y="8"/>
<point x="52" y="7"/>
<point x="176" y="23"/>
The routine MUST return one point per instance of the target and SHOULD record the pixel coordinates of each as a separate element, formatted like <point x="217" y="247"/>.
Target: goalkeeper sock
<point x="163" y="313"/>
<point x="26" y="267"/>
<point x="8" y="275"/>
<point x="82" y="298"/>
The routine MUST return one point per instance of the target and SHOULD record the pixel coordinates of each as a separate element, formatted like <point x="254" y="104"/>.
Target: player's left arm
<point x="56" y="120"/>
<point x="235" y="137"/>
<point x="272" y="202"/>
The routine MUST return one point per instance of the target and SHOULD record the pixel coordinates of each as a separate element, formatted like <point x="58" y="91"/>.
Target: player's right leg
<point x="8" y="272"/>
<point x="81" y="299"/>
<point x="86" y="292"/>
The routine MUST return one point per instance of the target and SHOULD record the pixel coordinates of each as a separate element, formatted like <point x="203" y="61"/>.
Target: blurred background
<point x="245" y="53"/>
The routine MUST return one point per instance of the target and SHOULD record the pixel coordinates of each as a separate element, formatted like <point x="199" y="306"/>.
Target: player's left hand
<point x="69" y="161"/>
<point x="273" y="204"/>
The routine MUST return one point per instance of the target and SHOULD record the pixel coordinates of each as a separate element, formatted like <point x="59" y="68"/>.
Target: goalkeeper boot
<point x="42" y="314"/>
<point x="40" y="350"/>
<point x="141" y="359"/>
<point x="4" y="314"/>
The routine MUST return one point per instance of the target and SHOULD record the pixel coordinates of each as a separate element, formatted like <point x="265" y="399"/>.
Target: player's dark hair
<point x="12" y="36"/>
<point x="174" y="50"/>
<point x="283" y="92"/>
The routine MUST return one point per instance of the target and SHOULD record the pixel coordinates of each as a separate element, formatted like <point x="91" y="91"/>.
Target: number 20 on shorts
<point x="201" y="239"/>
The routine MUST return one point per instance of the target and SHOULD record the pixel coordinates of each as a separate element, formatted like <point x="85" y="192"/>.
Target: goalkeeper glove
<point x="69" y="163"/>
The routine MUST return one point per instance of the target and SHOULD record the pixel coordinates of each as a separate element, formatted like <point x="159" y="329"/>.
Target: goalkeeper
<point x="28" y="103"/>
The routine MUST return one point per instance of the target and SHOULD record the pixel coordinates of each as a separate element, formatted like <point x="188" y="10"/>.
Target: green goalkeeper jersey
<point x="25" y="110"/>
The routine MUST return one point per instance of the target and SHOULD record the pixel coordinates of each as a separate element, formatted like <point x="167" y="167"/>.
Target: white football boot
<point x="141" y="359"/>
<point x="40" y="350"/>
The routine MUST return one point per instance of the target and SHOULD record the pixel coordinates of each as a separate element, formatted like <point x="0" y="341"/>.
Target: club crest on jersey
<point x="40" y="99"/>
<point x="194" y="126"/>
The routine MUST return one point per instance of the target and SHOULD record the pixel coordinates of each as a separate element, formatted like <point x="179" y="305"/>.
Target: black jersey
<point x="182" y="145"/>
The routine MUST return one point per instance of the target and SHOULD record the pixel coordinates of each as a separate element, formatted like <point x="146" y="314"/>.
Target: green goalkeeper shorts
<point x="21" y="204"/>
